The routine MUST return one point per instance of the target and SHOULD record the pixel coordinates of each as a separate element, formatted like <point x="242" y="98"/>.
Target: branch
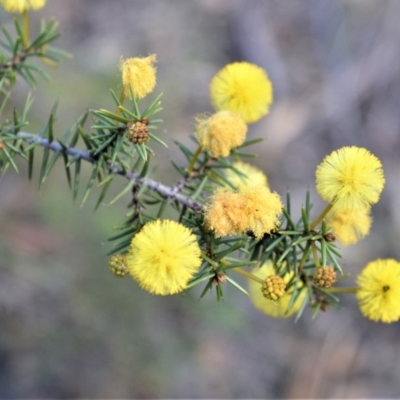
<point x="165" y="191"/>
<point x="11" y="64"/>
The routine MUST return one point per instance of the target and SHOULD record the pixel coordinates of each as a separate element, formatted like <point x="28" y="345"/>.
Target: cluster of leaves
<point x="16" y="56"/>
<point x="16" y="60"/>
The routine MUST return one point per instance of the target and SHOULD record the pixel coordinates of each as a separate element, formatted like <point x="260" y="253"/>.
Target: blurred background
<point x="70" y="329"/>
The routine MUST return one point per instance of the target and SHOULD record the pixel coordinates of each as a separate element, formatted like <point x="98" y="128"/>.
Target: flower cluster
<point x="164" y="255"/>
<point x="241" y="93"/>
<point x="351" y="179"/>
<point x="229" y="218"/>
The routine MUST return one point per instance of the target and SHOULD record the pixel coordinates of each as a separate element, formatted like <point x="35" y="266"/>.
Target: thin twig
<point x="164" y="190"/>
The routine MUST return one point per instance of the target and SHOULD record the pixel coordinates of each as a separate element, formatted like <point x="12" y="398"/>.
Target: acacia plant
<point x="228" y="221"/>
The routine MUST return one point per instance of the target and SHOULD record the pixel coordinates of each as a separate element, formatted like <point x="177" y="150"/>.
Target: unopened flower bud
<point x="118" y="265"/>
<point x="138" y="132"/>
<point x="325" y="277"/>
<point x="274" y="287"/>
<point x="330" y="237"/>
<point x="219" y="278"/>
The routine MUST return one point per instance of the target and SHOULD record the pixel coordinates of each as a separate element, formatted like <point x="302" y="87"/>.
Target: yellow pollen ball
<point x="139" y="73"/>
<point x="163" y="257"/>
<point x="224" y="213"/>
<point x="244" y="88"/>
<point x="255" y="209"/>
<point x="351" y="178"/>
<point x="262" y="210"/>
<point x="378" y="291"/>
<point x="221" y="132"/>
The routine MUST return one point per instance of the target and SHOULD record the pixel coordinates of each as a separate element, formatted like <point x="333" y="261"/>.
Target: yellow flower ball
<point x="278" y="308"/>
<point x="262" y="210"/>
<point x="221" y="132"/>
<point x="349" y="226"/>
<point x="224" y="212"/>
<point x="163" y="257"/>
<point x="19" y="6"/>
<point x="378" y="291"/>
<point x="139" y="73"/>
<point x="257" y="209"/>
<point x="244" y="88"/>
<point x="249" y="176"/>
<point x="351" y="178"/>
